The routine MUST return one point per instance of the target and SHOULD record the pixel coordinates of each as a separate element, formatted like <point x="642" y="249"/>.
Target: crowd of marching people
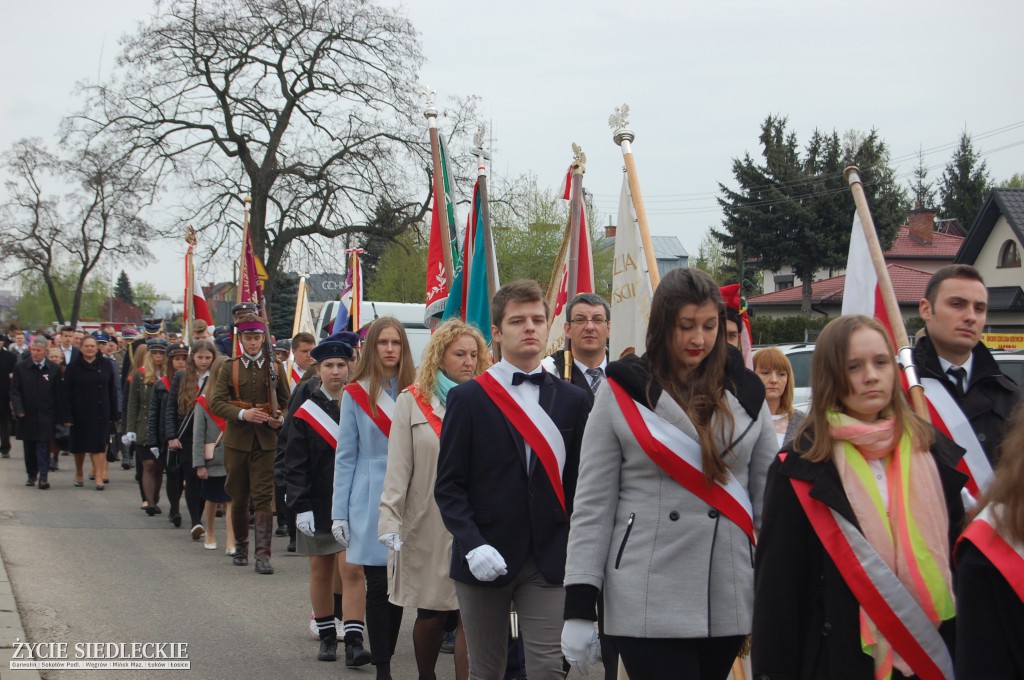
<point x="670" y="510"/>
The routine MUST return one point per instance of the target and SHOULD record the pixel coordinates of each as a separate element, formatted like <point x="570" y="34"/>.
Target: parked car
<point x="1011" y="364"/>
<point x="410" y="314"/>
<point x="799" y="356"/>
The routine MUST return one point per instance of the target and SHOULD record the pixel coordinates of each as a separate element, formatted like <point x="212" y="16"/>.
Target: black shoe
<point x="31" y="481"/>
<point x="263" y="566"/>
<point x="44" y="485"/>
<point x="175" y="519"/>
<point x="355" y="655"/>
<point x="281" y="530"/>
<point x="291" y="546"/>
<point x="240" y="560"/>
<point x="54" y="467"/>
<point x="328" y="649"/>
<point x="152" y="510"/>
<point x="126" y="466"/>
<point x="5" y="454"/>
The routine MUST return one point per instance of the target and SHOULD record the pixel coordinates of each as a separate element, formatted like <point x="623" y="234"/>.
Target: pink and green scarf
<point x="911" y="535"/>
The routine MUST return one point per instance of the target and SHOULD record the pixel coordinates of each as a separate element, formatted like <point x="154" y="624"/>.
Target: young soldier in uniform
<point x="243" y="396"/>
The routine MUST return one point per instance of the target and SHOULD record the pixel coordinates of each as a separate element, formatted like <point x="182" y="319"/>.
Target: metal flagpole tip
<point x="248" y="199"/>
<point x="428" y="95"/>
<point x="851" y="174"/>
<point x="619" y="123"/>
<point x="190" y="235"/>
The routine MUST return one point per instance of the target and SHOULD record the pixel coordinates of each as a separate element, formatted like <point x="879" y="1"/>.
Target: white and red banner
<point x="322" y="423"/>
<point x="679" y="456"/>
<point x="558" y="292"/>
<point x="360" y="392"/>
<point x="631" y="283"/>
<point x="861" y="293"/>
<point x="531" y="421"/>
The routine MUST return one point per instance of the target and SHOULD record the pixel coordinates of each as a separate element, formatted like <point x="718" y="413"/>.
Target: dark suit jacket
<point x="578" y="377"/>
<point x="487" y="495"/>
<point x="7" y="362"/>
<point x="35" y="395"/>
<point x="806" y="619"/>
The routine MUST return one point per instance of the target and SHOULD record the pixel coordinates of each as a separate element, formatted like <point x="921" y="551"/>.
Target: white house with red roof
<point x="917" y="253"/>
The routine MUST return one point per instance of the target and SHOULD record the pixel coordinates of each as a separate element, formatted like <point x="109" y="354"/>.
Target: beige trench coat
<point x="418" y="573"/>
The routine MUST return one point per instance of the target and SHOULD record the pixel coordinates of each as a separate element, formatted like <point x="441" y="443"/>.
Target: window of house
<point x="1009" y="255"/>
<point x="783" y="281"/>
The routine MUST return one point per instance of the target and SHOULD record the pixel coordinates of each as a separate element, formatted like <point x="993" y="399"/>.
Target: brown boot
<point x="264" y="535"/>
<point x="240" y="524"/>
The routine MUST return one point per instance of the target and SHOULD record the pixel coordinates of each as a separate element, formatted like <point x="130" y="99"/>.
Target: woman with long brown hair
<point x="990" y="571"/>
<point x="410" y="523"/>
<point x="853" y="560"/>
<point x="385" y="368"/>
<point x="670" y="489"/>
<point x="208" y="462"/>
<point x="179" y="420"/>
<point x="137" y="429"/>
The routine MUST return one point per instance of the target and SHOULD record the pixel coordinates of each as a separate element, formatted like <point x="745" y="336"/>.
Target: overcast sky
<point x="699" y="78"/>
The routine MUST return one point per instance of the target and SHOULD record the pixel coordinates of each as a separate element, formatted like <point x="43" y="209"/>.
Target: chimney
<point x="609" y="231"/>
<point x="922" y="225"/>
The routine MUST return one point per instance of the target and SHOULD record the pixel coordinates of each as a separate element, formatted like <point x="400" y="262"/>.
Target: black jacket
<point x="309" y="463"/>
<point x="89" y="402"/>
<point x="990" y="620"/>
<point x="7" y="362"/>
<point x="990" y="397"/>
<point x="157" y="422"/>
<point x="34" y="394"/>
<point x="301" y="394"/>
<point x="578" y="378"/>
<point x="806" y="619"/>
<point x="487" y="495"/>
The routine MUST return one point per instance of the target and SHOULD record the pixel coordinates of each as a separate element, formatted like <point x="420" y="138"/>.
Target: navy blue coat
<point x="487" y="495"/>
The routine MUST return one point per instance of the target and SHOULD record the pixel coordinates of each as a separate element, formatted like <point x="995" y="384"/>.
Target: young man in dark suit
<point x="509" y="460"/>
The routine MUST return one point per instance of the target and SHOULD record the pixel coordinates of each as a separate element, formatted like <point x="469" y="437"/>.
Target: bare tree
<point x="48" y="233"/>
<point x="307" y="105"/>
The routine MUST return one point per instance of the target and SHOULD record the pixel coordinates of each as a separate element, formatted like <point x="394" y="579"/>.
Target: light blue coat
<point x="359" y="468"/>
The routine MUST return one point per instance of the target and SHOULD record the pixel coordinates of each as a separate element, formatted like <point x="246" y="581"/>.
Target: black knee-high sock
<point x="325" y="627"/>
<point x="354" y="631"/>
<point x="337" y="606"/>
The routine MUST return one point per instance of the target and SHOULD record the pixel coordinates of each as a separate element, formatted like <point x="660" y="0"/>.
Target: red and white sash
<point x="166" y="382"/>
<point x="1005" y="555"/>
<point x="680" y="457"/>
<point x="951" y="421"/>
<point x="531" y="421"/>
<point x="427" y="409"/>
<point x="294" y="376"/>
<point x="359" y="391"/>
<point x="217" y="420"/>
<point x="886" y="601"/>
<point x="328" y="428"/>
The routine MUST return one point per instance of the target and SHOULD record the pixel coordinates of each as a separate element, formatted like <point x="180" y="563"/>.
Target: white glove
<point x="486" y="563"/>
<point x="155" y="451"/>
<point x="579" y="644"/>
<point x="391" y="540"/>
<point x="128" y="438"/>
<point x="340" y="530"/>
<point x="304" y="523"/>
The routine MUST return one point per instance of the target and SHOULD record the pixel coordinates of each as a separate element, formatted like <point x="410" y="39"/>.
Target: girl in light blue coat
<point x="385" y="369"/>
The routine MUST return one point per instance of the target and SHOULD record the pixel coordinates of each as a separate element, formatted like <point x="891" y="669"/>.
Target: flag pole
<point x="579" y="166"/>
<point x="440" y="200"/>
<point x="904" y="353"/>
<point x="623" y="138"/>
<point x="190" y="238"/>
<point x="485" y="213"/>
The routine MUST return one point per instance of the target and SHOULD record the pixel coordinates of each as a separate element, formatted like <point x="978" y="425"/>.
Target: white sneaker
<point x="339" y="628"/>
<point x="210" y="546"/>
<point x="312" y="626"/>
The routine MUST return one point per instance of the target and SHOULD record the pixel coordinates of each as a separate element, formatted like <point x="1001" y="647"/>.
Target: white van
<point x="410" y="314"/>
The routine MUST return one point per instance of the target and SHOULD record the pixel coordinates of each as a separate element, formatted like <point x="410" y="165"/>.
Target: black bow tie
<point x="535" y="378"/>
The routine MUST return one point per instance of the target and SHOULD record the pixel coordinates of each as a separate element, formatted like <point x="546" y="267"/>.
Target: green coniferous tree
<point x="965" y="181"/>
<point x="123" y="289"/>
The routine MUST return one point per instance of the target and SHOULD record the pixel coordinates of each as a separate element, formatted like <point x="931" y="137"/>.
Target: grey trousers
<point x="485" y="616"/>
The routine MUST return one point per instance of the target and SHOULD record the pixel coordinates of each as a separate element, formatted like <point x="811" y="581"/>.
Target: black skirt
<point x="212" y="489"/>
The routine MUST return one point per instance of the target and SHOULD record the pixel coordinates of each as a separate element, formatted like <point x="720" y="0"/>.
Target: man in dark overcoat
<point x="34" y="390"/>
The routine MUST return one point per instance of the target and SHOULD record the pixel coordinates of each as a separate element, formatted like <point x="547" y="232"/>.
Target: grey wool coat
<point x="670" y="565"/>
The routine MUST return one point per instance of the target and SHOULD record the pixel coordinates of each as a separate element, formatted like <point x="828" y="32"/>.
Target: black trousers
<point x="678" y="658"/>
<point x="182" y="478"/>
<point x="383" y="619"/>
<point x="6" y="430"/>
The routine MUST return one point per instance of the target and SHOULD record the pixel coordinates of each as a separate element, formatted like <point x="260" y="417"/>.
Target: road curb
<point x="11" y="629"/>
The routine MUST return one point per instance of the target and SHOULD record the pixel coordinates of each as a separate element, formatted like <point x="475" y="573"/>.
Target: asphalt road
<point x="89" y="566"/>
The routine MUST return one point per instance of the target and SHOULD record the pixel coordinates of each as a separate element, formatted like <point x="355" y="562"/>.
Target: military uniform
<point x="249" y="448"/>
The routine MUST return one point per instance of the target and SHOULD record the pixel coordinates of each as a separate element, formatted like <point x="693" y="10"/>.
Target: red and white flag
<point x="861" y="292"/>
<point x="558" y="292"/>
<point x="200" y="309"/>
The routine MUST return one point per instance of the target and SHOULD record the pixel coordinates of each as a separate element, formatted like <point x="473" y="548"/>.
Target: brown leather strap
<point x="234" y="378"/>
